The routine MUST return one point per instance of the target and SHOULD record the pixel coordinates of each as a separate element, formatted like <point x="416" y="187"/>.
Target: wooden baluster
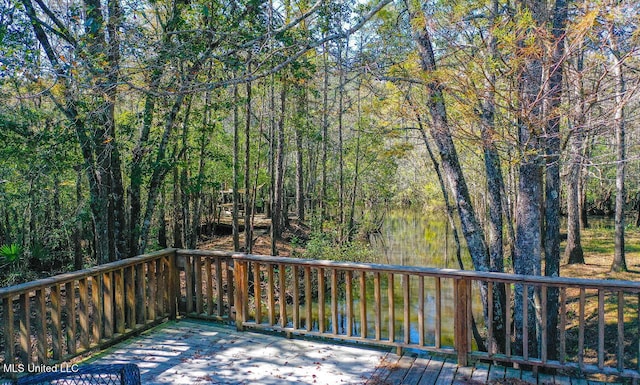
<point x="349" y="304"/>
<point x="83" y="308"/>
<point x="391" y="309"/>
<point x="130" y="296"/>
<point x="308" y="300"/>
<point x="282" y="275"/>
<point x="97" y="306"/>
<point x="41" y="326"/>
<point x="363" y="305"/>
<point x="230" y="288"/>
<point x="70" y="301"/>
<point x="9" y="331"/>
<point x="161" y="281"/>
<point x="421" y="310"/>
<point x="600" y="329"/>
<point x="241" y="293"/>
<point x="334" y="301"/>
<point x="296" y="298"/>
<point x="490" y="344"/>
<point x="271" y="295"/>
<point x="461" y="332"/>
<point x="141" y="294"/>
<point x="119" y="294"/>
<point x="321" y="300"/>
<point x="563" y="325"/>
<point x="208" y="276"/>
<point x="56" y="324"/>
<point x="581" y="329"/>
<point x="173" y="289"/>
<point x="407" y="305"/>
<point x="188" y="269"/>
<point x="153" y="287"/>
<point x="620" y="358"/>
<point x="24" y="325"/>
<point x="438" y="335"/>
<point x="507" y="329"/>
<point x="377" y="304"/>
<point x="257" y="290"/>
<point x="219" y="287"/>
<point x="174" y="286"/>
<point x="543" y="327"/>
<point x="198" y="283"/>
<point x="469" y="315"/>
<point x="525" y="322"/>
<point x="107" y="287"/>
<point x="244" y="303"/>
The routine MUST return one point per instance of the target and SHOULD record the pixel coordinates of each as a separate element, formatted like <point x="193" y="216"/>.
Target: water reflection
<point x="407" y="238"/>
<point x="414" y="238"/>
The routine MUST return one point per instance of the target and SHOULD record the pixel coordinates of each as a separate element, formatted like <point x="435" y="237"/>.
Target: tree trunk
<point x="162" y="231"/>
<point x="279" y="193"/>
<point x="236" y="171"/>
<point x="300" y="128"/>
<point x="341" y="80"/>
<point x="248" y="206"/>
<point x="351" y="228"/>
<point x="619" y="260"/>
<point x="142" y="145"/>
<point x="77" y="232"/>
<point x="441" y="133"/>
<point x="552" y="176"/>
<point x="185" y="177"/>
<point x="573" y="250"/>
<point x="527" y="259"/>
<point x="162" y="166"/>
<point x="325" y="135"/>
<point x="495" y="187"/>
<point x="177" y="212"/>
<point x="272" y="163"/>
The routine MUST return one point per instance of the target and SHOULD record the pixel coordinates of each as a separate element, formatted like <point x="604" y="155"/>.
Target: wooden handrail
<point x="630" y="286"/>
<point x="359" y="302"/>
<point x="87" y="309"/>
<point x="75" y="275"/>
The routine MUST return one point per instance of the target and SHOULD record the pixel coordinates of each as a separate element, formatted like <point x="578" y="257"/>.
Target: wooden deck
<point x="424" y="369"/>
<point x="197" y="352"/>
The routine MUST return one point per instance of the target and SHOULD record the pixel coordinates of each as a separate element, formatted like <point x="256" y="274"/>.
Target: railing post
<point x="241" y="283"/>
<point x="174" y="285"/>
<point x="461" y="316"/>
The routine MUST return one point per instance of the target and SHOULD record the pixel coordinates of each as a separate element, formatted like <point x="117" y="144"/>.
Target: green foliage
<point x="11" y="253"/>
<point x="325" y="246"/>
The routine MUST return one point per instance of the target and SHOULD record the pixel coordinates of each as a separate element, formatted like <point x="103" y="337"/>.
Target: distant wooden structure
<point x="260" y="222"/>
<point x="224" y="212"/>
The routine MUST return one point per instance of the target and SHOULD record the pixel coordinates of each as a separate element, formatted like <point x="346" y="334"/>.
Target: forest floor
<point x="598" y="247"/>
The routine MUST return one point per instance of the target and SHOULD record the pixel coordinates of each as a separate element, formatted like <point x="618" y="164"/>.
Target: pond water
<point x="412" y="239"/>
<point x="406" y="238"/>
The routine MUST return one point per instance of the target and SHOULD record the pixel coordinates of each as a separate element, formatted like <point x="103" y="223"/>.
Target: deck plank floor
<point x="195" y="352"/>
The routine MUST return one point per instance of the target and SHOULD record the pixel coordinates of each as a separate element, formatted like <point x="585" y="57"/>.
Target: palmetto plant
<point x="10" y="253"/>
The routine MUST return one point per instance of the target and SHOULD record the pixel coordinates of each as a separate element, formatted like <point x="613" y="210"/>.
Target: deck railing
<point x="54" y="319"/>
<point x="601" y="318"/>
